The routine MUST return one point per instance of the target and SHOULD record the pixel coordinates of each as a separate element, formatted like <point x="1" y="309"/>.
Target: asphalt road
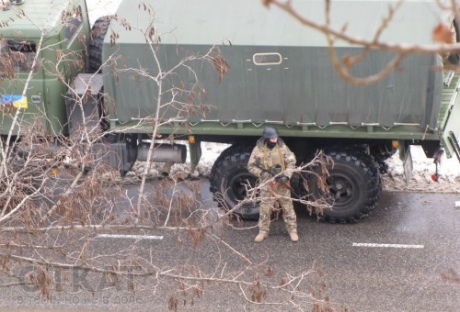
<point x="400" y="258"/>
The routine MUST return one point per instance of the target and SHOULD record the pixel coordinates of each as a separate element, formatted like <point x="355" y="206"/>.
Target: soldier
<point x="269" y="160"/>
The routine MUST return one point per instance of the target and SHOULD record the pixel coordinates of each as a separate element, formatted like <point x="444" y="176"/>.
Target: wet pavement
<point x="400" y="258"/>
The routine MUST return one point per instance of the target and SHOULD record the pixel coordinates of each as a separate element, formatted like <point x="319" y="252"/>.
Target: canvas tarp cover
<point x="302" y="89"/>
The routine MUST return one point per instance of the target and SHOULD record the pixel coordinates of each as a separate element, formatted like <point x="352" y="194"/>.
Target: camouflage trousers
<point x="270" y="195"/>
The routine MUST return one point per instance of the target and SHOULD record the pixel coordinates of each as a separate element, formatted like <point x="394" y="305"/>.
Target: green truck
<point x="269" y="70"/>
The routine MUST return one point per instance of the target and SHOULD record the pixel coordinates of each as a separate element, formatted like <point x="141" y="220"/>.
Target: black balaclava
<point x="270" y="144"/>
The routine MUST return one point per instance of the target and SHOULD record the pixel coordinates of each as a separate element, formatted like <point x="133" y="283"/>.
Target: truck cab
<point x="43" y="48"/>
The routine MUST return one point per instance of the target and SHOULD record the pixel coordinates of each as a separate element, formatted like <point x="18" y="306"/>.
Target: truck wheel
<point x="131" y="154"/>
<point x="98" y="32"/>
<point x="352" y="188"/>
<point x="370" y="162"/>
<point x="229" y="179"/>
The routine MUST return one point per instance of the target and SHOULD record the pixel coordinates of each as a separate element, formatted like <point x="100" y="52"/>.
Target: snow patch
<point x="394" y="180"/>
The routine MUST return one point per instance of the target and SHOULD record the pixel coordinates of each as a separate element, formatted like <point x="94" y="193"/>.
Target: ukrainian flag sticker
<point x="18" y="101"/>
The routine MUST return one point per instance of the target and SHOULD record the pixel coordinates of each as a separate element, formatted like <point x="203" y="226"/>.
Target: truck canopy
<point x="249" y="23"/>
<point x="279" y="70"/>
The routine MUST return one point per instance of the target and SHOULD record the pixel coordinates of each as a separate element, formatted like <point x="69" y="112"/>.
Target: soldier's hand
<point x="282" y="178"/>
<point x="265" y="175"/>
<point x="275" y="170"/>
<point x="272" y="171"/>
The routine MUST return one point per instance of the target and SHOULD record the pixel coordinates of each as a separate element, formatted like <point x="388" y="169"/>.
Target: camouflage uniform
<point x="264" y="157"/>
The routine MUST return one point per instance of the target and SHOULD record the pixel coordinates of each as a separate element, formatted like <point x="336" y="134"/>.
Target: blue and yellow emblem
<point x="18" y="101"/>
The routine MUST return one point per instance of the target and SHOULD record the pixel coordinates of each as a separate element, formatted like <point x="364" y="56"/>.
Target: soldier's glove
<point x="265" y="175"/>
<point x="275" y="170"/>
<point x="283" y="179"/>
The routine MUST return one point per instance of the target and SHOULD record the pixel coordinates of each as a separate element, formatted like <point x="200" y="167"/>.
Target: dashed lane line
<point x="371" y="245"/>
<point x="129" y="236"/>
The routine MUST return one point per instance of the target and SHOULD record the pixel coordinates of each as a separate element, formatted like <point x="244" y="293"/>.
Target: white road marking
<point x="129" y="236"/>
<point x="387" y="245"/>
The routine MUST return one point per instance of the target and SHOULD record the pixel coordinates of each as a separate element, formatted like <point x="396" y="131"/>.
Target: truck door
<point x="16" y="63"/>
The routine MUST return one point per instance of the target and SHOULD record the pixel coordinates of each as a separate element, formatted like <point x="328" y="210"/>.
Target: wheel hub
<point x="340" y="188"/>
<point x="240" y="183"/>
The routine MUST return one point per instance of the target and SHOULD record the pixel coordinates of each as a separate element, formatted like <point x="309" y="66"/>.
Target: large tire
<point x="354" y="186"/>
<point x="228" y="180"/>
<point x="131" y="154"/>
<point x="369" y="162"/>
<point x="98" y="32"/>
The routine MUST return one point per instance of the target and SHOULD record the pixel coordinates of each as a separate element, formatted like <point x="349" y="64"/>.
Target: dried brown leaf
<point x="442" y="33"/>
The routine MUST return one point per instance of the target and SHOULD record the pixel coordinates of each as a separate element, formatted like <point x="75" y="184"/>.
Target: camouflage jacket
<point x="263" y="158"/>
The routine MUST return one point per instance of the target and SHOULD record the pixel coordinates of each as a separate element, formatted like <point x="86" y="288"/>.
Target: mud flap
<point x="195" y="151"/>
<point x="408" y="165"/>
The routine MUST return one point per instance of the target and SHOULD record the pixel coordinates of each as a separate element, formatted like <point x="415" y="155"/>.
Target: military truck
<point x="271" y="70"/>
